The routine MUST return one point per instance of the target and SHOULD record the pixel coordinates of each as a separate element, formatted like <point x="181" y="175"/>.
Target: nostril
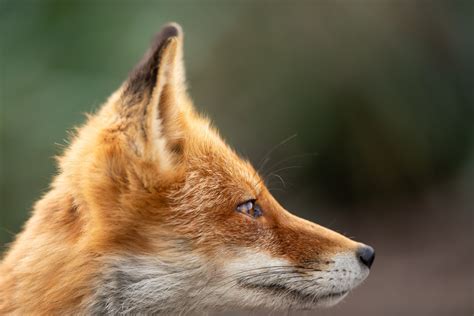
<point x="366" y="254"/>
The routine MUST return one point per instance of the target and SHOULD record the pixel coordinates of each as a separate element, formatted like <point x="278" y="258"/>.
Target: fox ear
<point x="155" y="90"/>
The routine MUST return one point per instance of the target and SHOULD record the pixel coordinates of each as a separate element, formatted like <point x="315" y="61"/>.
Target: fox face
<point x="226" y="241"/>
<point x="163" y="217"/>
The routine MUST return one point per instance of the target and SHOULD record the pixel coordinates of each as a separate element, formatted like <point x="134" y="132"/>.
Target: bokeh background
<point x="371" y="102"/>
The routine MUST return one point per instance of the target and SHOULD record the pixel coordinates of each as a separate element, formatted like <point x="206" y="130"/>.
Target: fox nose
<point x="366" y="255"/>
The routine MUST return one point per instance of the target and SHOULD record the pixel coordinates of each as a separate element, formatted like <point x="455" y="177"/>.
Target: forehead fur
<point x="206" y="148"/>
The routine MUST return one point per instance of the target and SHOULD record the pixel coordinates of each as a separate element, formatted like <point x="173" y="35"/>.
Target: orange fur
<point x="144" y="170"/>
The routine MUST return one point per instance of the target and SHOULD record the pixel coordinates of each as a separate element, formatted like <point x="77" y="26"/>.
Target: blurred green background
<point x="380" y="96"/>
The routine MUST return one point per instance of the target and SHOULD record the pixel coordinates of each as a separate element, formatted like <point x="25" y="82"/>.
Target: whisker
<point x="264" y="177"/>
<point x="312" y="283"/>
<point x="234" y="277"/>
<point x="282" y="273"/>
<point x="273" y="189"/>
<point x="280" y="178"/>
<point x="238" y="281"/>
<point x="272" y="269"/>
<point x="255" y="272"/>
<point x="277" y="164"/>
<point x="268" y="273"/>
<point x="286" y="168"/>
<point x="266" y="157"/>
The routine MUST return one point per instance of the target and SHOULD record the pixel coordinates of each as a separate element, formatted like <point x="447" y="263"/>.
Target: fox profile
<point x="151" y="212"/>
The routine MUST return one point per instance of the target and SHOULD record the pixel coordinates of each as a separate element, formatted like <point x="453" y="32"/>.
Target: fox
<point x="151" y="212"/>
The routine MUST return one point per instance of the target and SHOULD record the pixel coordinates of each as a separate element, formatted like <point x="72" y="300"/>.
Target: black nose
<point x="366" y="254"/>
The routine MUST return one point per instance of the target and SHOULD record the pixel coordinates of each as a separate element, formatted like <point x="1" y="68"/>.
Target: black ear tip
<point x="172" y="29"/>
<point x="168" y="31"/>
<point x="144" y="74"/>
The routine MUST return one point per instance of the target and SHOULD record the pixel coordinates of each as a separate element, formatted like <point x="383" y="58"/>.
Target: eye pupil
<point x="257" y="212"/>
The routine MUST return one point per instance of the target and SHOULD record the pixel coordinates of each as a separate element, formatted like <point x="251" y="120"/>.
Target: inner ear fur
<point x="154" y="92"/>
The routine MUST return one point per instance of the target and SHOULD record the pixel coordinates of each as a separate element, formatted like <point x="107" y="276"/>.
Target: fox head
<point x="180" y="221"/>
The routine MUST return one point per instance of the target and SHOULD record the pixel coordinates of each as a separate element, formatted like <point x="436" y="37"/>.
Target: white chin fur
<point x="311" y="289"/>
<point x="148" y="285"/>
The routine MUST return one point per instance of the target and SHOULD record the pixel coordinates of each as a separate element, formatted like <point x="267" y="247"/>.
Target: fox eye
<point x="250" y="208"/>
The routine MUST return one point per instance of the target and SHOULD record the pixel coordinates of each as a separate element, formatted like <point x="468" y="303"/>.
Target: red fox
<point x="152" y="212"/>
